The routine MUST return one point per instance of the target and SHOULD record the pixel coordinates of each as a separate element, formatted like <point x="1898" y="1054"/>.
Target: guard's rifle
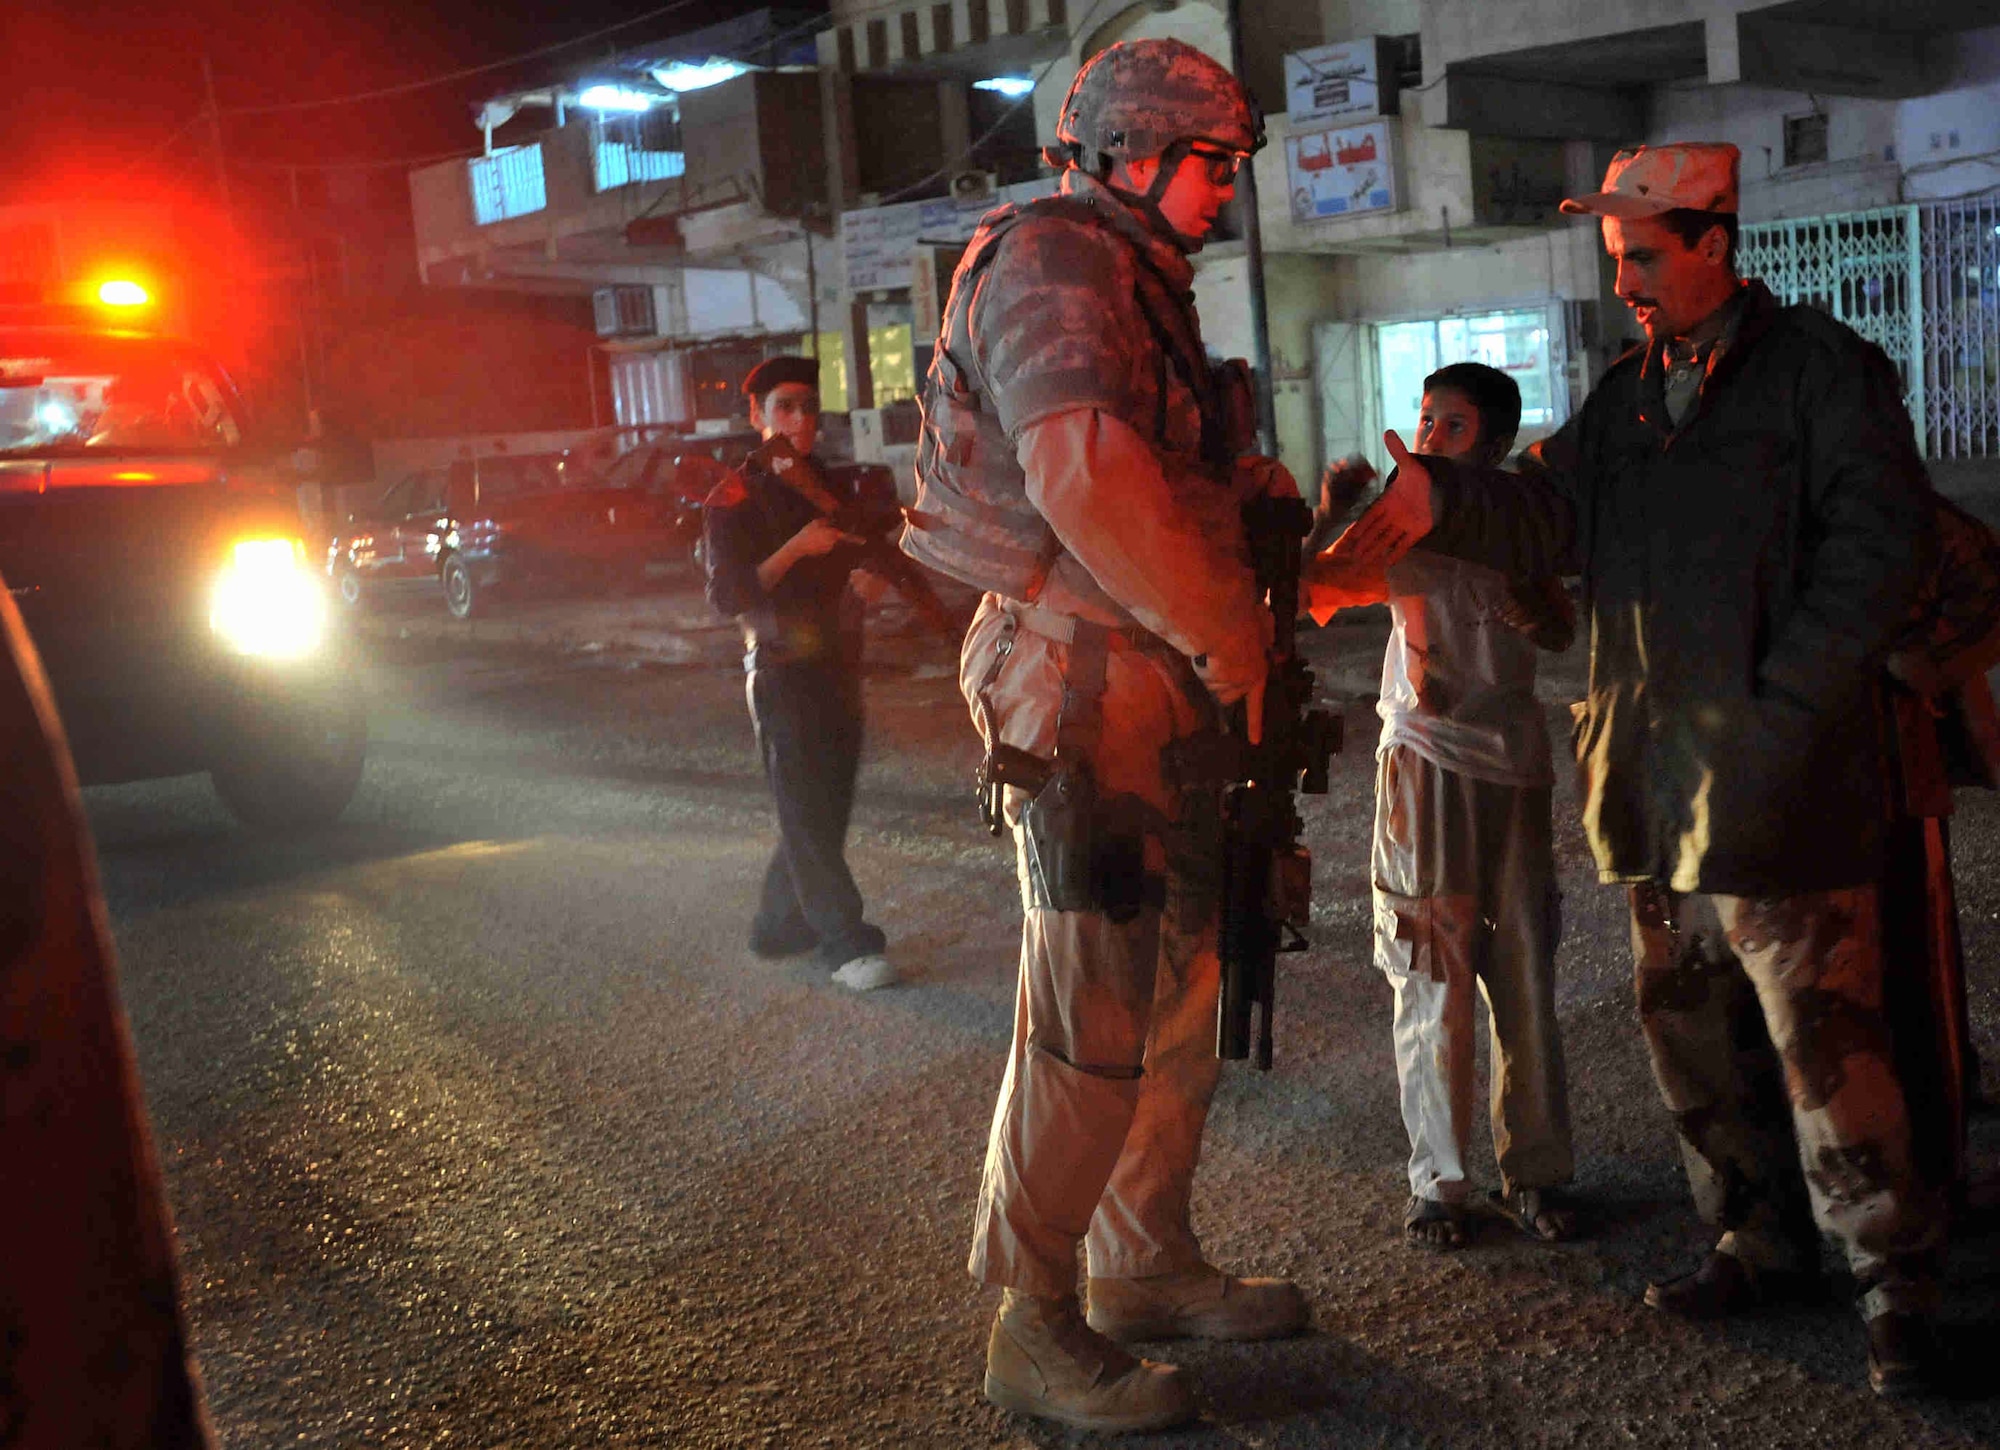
<point x="875" y="520"/>
<point x="1267" y="873"/>
<point x="878" y="526"/>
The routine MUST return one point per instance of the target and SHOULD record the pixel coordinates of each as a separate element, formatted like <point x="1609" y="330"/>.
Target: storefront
<point x="1370" y="375"/>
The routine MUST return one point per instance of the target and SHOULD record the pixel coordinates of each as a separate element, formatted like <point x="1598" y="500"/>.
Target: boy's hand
<point x="1398" y="520"/>
<point x="819" y="536"/>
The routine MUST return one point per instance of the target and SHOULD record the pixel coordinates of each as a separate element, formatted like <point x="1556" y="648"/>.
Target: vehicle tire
<point x="301" y="774"/>
<point x="348" y="591"/>
<point x="462" y="597"/>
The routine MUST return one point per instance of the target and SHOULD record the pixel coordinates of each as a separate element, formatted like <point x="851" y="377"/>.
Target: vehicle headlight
<point x="267" y="602"/>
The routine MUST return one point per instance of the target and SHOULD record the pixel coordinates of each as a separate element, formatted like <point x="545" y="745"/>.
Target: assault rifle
<point x="876" y="520"/>
<point x="1267" y="873"/>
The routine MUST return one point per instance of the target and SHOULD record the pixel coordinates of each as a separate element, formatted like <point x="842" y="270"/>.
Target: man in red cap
<point x="1744" y="500"/>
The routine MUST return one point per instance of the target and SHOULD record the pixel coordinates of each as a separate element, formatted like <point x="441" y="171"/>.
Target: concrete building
<point x="1407" y="200"/>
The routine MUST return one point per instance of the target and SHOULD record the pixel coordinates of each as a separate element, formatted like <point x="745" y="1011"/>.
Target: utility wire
<point x="407" y="87"/>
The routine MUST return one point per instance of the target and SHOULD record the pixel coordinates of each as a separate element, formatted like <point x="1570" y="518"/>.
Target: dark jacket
<point x="810" y="616"/>
<point x="1744" y="575"/>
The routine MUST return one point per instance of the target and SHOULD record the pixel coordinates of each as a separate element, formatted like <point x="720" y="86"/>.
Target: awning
<point x="986" y="35"/>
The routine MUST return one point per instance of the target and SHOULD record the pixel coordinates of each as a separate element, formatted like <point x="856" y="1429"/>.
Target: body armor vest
<point x="972" y="519"/>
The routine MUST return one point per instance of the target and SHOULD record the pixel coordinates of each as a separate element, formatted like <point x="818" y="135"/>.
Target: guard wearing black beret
<point x="782" y="569"/>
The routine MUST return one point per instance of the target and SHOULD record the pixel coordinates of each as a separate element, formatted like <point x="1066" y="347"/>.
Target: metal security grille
<point x="1961" y="327"/>
<point x="1863" y="267"/>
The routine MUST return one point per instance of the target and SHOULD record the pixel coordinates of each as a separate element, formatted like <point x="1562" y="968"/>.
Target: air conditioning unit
<point x="969" y="188"/>
<point x="624" y="312"/>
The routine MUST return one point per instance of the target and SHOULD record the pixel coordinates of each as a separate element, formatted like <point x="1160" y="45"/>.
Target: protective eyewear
<point x="1222" y="165"/>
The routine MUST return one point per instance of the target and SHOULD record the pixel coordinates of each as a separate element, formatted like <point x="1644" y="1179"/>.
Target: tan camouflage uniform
<point x="1753" y="1007"/>
<point x="1099" y="1122"/>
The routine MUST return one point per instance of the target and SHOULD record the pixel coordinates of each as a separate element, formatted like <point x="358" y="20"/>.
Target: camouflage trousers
<point x="1764" y="1019"/>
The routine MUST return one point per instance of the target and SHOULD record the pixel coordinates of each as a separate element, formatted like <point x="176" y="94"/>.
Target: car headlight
<point x="267" y="602"/>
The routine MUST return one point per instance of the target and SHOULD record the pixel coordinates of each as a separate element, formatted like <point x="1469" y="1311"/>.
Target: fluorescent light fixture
<point x="1014" y="86"/>
<point x="683" y="76"/>
<point x="616" y="98"/>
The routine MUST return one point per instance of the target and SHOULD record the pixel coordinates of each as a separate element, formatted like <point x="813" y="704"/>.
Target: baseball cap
<point x="1647" y="180"/>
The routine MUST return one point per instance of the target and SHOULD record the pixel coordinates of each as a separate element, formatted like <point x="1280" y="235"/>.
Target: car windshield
<point x="513" y="477"/>
<point x="67" y="393"/>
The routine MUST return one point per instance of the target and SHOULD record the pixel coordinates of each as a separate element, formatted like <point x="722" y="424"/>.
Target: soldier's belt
<point x="1062" y="628"/>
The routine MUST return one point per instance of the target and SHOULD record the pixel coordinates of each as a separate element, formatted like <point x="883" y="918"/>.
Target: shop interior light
<point x="617" y="98"/>
<point x="123" y="292"/>
<point x="684" y="76"/>
<point x="1011" y="86"/>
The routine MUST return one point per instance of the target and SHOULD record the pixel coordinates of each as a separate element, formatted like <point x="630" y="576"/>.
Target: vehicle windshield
<point x="66" y="393"/>
<point x="504" y="477"/>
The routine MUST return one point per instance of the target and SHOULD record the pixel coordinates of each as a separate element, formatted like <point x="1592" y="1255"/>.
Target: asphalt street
<point x="482" y="1127"/>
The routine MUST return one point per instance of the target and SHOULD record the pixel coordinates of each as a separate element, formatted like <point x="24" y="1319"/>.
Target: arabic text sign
<point x="1343" y="172"/>
<point x="1335" y="82"/>
<point x="878" y="242"/>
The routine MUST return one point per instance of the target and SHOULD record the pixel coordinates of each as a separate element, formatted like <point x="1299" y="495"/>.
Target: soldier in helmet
<point x="1078" y="465"/>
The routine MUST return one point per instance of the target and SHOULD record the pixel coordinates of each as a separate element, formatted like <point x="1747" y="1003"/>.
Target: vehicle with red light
<point x="161" y="570"/>
<point x="479" y="528"/>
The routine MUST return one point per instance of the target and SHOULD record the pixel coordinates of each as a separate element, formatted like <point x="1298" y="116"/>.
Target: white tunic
<point x="1458" y="681"/>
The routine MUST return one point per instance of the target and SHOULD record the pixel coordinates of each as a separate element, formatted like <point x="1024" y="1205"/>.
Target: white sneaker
<point x="865" y="974"/>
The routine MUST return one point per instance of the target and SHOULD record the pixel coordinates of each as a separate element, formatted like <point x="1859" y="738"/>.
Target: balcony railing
<point x="509" y="183"/>
<point x="619" y="163"/>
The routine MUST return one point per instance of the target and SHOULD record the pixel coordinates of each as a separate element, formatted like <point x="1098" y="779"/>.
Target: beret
<point x="774" y="372"/>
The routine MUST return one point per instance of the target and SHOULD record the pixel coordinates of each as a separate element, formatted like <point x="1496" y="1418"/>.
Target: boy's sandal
<point x="1540" y="1213"/>
<point x="1431" y="1224"/>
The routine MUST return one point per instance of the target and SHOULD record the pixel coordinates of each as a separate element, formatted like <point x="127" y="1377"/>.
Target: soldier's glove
<point x="1239" y="674"/>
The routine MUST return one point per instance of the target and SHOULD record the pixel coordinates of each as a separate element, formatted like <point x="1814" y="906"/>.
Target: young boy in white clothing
<point x="1463" y="861"/>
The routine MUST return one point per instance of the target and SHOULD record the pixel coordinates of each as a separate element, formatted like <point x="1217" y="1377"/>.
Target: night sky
<point x="94" y="92"/>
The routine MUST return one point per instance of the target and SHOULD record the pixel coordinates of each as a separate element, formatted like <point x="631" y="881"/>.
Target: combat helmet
<point x="1139" y="98"/>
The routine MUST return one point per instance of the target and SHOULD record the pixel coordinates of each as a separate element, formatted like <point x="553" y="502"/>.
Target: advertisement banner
<point x="1342" y="172"/>
<point x="1347" y="81"/>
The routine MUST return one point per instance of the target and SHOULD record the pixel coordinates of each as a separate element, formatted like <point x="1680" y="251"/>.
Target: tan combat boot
<point x="1198" y="1303"/>
<point x="1044" y="1360"/>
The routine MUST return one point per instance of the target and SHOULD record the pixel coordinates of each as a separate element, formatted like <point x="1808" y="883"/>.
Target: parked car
<point x="160" y="568"/>
<point x="680" y="470"/>
<point x="478" y="527"/>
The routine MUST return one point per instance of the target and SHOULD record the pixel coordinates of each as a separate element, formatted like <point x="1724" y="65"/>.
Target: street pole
<point x="1253" y="250"/>
<point x="215" y="137"/>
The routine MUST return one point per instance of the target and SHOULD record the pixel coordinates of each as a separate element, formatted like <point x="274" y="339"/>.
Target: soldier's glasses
<point x="1222" y="165"/>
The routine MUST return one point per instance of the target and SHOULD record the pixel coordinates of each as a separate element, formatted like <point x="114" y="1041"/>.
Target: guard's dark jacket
<point x="1744" y="574"/>
<point x="810" y="616"/>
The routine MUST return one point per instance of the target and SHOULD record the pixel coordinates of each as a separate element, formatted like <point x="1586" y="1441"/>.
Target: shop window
<point x="1520" y="344"/>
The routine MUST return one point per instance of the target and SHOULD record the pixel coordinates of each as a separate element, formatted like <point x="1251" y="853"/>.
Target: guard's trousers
<point x="1098" y="1128"/>
<point x="1465" y="901"/>
<point x="808" y="722"/>
<point x="1765" y="1023"/>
